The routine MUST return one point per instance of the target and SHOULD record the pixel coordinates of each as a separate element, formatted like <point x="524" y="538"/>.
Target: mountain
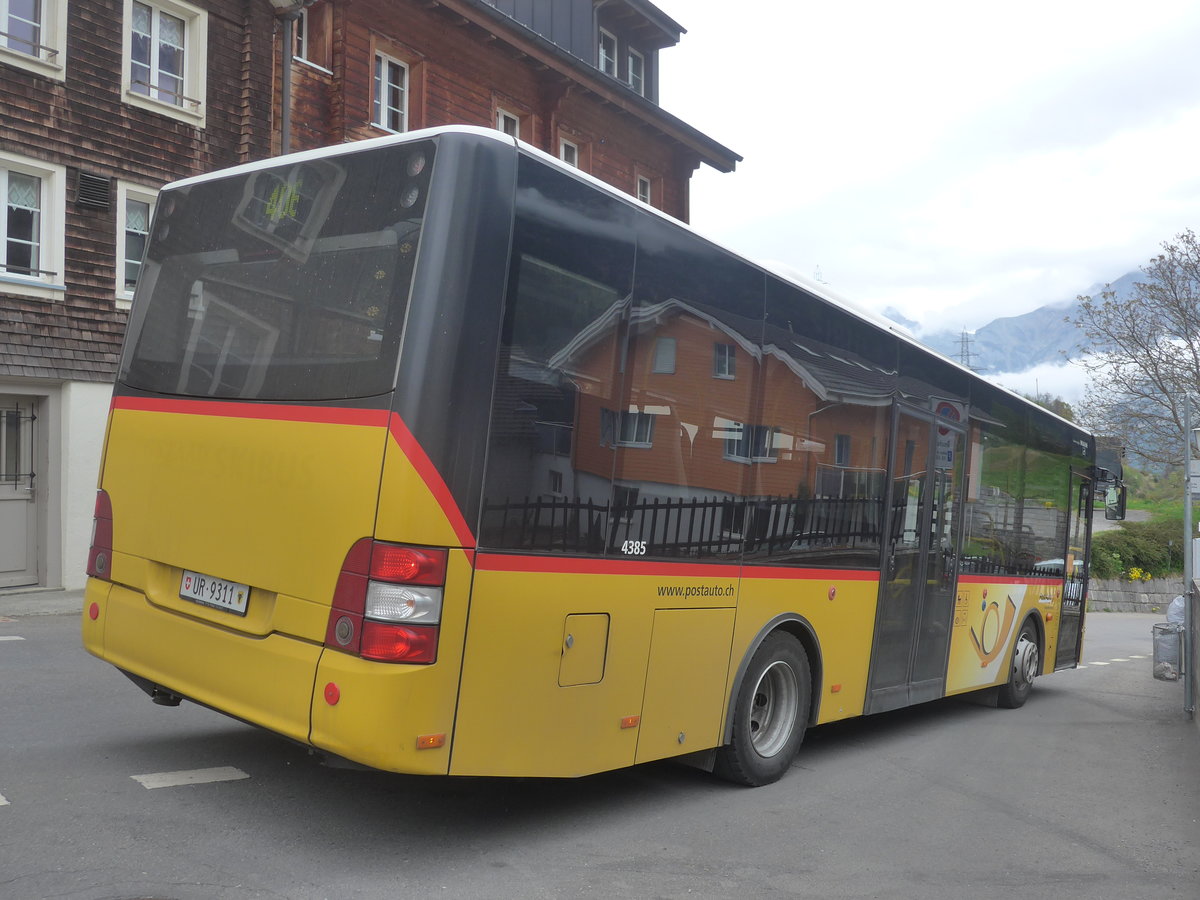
<point x="1018" y="343"/>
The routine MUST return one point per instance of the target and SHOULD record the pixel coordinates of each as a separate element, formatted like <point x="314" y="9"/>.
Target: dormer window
<point x="637" y="72"/>
<point x="607" y="56"/>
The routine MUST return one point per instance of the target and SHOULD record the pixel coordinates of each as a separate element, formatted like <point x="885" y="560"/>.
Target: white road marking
<point x="3" y="801"/>
<point x="1118" y="660"/>
<point x="189" y="776"/>
<point x="1136" y="656"/>
<point x="1081" y="667"/>
<point x="1095" y="662"/>
<point x="11" y="637"/>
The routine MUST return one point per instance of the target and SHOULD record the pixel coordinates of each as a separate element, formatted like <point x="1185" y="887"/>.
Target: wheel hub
<point x="1025" y="661"/>
<point x="774" y="711"/>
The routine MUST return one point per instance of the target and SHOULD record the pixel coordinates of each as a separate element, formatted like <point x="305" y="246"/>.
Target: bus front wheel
<point x="769" y="714"/>
<point x="1026" y="664"/>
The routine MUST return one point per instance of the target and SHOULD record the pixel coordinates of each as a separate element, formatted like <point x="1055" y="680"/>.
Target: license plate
<point x="215" y="592"/>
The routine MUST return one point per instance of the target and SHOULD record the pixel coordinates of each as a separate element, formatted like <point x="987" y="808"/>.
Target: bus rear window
<point x="285" y="283"/>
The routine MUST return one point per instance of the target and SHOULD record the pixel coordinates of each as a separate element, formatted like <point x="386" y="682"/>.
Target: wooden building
<point x="105" y="101"/>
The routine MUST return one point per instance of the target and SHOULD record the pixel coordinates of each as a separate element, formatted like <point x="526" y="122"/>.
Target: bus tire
<point x="1026" y="664"/>
<point x="770" y="714"/>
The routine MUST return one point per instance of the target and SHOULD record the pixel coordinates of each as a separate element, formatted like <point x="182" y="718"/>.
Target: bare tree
<point x="1143" y="354"/>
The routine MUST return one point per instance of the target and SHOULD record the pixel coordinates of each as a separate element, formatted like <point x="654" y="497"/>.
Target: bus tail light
<point x="388" y="602"/>
<point x="99" y="564"/>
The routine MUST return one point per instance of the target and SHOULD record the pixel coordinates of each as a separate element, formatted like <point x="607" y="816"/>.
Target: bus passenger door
<point x="1070" y="616"/>
<point x="917" y="587"/>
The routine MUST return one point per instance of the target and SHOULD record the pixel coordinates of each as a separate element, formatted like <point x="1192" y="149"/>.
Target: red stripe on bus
<point x="274" y="412"/>
<point x="428" y="473"/>
<point x="800" y="574"/>
<point x="503" y="562"/>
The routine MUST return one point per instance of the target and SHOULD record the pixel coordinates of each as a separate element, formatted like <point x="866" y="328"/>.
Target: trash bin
<point x="1168" y="647"/>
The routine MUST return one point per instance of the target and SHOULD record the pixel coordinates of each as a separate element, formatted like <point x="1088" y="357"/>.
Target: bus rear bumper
<point x="389" y="716"/>
<point x="266" y="681"/>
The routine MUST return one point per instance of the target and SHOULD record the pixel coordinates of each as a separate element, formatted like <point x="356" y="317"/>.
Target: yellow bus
<point x="435" y="454"/>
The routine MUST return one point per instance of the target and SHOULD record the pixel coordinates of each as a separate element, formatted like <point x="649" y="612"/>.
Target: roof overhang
<point x="542" y="53"/>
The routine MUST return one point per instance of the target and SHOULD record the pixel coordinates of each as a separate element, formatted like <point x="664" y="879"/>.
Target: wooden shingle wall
<point x="82" y="123"/>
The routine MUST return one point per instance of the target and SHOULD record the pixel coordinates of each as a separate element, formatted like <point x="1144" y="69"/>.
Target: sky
<point x="954" y="161"/>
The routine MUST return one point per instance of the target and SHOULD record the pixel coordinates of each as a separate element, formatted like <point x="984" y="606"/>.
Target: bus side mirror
<point x="1114" y="502"/>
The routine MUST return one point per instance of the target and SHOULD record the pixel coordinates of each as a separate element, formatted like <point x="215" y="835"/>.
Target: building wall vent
<point x="93" y="191"/>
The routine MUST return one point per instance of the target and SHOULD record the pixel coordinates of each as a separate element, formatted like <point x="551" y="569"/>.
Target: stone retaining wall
<point x="1116" y="595"/>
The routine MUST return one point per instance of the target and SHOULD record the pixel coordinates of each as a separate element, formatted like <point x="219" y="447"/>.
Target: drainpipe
<point x="287" y="11"/>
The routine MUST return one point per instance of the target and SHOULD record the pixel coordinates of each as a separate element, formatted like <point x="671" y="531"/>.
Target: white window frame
<point x="626" y="428"/>
<point x="635" y="429"/>
<point x="639" y="83"/>
<point x="724" y="361"/>
<point x="300" y="37"/>
<point x="49" y="57"/>
<point x="645" y="190"/>
<point x="606" y="60"/>
<point x="841" y="450"/>
<point x="379" y="110"/>
<point x="568" y="152"/>
<point x="51" y="230"/>
<point x="126" y="192"/>
<point x="503" y="116"/>
<point x="193" y="108"/>
<point x="757" y="442"/>
<point x="663" y="362"/>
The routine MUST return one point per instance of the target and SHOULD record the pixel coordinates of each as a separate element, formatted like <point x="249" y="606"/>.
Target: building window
<point x="310" y="37"/>
<point x="135" y="207"/>
<point x="390" y="107"/>
<point x="33" y="35"/>
<point x="636" y="429"/>
<point x="508" y="123"/>
<point x="568" y="153"/>
<point x="165" y="57"/>
<point x="23" y="224"/>
<point x="724" y="361"/>
<point x="751" y="443"/>
<point x="556" y="481"/>
<point x="841" y="450"/>
<point x="637" y="72"/>
<point x="31" y="240"/>
<point x="300" y="46"/>
<point x="628" y="428"/>
<point x="664" y="356"/>
<point x="607" y="54"/>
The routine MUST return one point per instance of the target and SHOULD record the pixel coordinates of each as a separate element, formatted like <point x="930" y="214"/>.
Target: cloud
<point x="949" y="160"/>
<point x="1058" y="380"/>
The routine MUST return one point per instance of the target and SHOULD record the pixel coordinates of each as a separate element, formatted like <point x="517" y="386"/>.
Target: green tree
<point x="1143" y="355"/>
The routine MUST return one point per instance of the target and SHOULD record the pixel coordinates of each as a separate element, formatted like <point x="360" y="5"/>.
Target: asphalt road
<point x="1091" y="791"/>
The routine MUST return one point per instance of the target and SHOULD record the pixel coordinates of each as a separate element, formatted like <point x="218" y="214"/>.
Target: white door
<point x="18" y="502"/>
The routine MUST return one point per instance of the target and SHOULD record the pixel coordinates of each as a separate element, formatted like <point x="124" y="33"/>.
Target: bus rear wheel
<point x="1026" y="664"/>
<point x="769" y="715"/>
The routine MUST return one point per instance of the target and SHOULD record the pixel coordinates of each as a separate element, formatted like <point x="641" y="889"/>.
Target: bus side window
<point x="555" y="419"/>
<point x="820" y="500"/>
<point x="689" y="466"/>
